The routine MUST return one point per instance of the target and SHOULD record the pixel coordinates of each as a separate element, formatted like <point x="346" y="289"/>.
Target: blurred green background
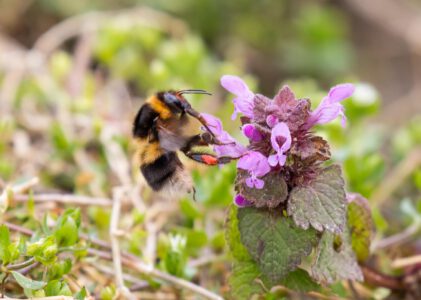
<point x="74" y="73"/>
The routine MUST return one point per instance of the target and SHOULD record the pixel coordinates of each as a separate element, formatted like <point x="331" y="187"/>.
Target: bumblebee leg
<point x="208" y="159"/>
<point x="203" y="139"/>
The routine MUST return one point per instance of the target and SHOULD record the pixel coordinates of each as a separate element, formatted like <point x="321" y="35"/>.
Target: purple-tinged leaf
<point x="321" y="203"/>
<point x="285" y="98"/>
<point x="311" y="149"/>
<point x="259" y="110"/>
<point x="275" y="190"/>
<point x="335" y="263"/>
<point x="273" y="241"/>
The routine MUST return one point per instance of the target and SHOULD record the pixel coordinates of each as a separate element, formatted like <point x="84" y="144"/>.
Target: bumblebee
<point x="164" y="125"/>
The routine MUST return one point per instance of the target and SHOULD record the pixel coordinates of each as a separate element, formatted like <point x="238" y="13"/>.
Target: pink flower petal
<point x="330" y="108"/>
<point x="273" y="160"/>
<point x="271" y="120"/>
<point x="281" y="130"/>
<point x="237" y="86"/>
<point x="243" y="103"/>
<point x="240" y="201"/>
<point x="282" y="158"/>
<point x="234" y="150"/>
<point x="259" y="183"/>
<point x="340" y="92"/>
<point x="250" y="182"/>
<point x="214" y="124"/>
<point x="254" y="162"/>
<point x="250" y="131"/>
<point x="325" y="114"/>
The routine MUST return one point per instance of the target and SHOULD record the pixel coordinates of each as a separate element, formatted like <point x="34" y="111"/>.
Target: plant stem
<point x="21" y="265"/>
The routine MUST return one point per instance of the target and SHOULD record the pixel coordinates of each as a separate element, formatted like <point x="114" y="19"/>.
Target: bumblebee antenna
<point x="194" y="91"/>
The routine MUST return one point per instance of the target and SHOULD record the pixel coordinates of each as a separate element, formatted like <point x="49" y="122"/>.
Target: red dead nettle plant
<point x="291" y="222"/>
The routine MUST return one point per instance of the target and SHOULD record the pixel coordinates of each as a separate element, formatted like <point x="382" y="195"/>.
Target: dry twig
<point x="64" y="199"/>
<point x="396" y="177"/>
<point x="118" y="194"/>
<point x="135" y="264"/>
<point x="407" y="261"/>
<point x="16" y="189"/>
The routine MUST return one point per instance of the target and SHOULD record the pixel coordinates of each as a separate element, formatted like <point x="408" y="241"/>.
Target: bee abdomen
<point x="166" y="174"/>
<point x="159" y="172"/>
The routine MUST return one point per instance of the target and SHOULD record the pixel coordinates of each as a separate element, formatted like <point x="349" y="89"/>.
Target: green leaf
<point x="321" y="203"/>
<point x="28" y="283"/>
<point x="360" y="225"/>
<point x="273" y="241"/>
<point x="44" y="250"/>
<point x="196" y="239"/>
<point x="244" y="280"/>
<point x="175" y="263"/>
<point x="232" y="236"/>
<point x="56" y="288"/>
<point x="274" y="192"/>
<point x="300" y="281"/>
<point x="81" y="295"/>
<point x="189" y="209"/>
<point x="334" y="263"/>
<point x="4" y="244"/>
<point x="58" y="269"/>
<point x="53" y="288"/>
<point x="108" y="293"/>
<point x="67" y="229"/>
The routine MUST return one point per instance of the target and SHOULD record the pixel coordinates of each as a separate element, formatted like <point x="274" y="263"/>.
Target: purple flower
<point x="243" y="103"/>
<point x="231" y="147"/>
<point x="240" y="201"/>
<point x="257" y="165"/>
<point x="250" y="131"/>
<point x="281" y="142"/>
<point x="330" y="108"/>
<point x="272" y="120"/>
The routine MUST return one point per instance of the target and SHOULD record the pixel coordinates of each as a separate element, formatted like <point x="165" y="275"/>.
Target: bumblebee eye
<point x="173" y="102"/>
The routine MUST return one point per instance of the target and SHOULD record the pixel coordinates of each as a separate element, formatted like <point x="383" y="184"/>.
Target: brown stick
<point x="378" y="279"/>
<point x="396" y="177"/>
<point x="65" y="199"/>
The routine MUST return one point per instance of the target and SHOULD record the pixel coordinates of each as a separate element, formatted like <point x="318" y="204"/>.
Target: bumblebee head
<point x="176" y="101"/>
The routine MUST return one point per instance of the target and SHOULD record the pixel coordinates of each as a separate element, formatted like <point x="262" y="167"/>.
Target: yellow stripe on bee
<point x="147" y="152"/>
<point x="158" y="106"/>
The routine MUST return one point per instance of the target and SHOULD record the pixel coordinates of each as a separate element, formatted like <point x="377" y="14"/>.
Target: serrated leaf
<point x="360" y="224"/>
<point x="232" y="236"/>
<point x="335" y="263"/>
<point x="273" y="241"/>
<point x="28" y="283"/>
<point x="321" y="203"/>
<point x="274" y="192"/>
<point x="300" y="281"/>
<point x="4" y="244"/>
<point x="244" y="280"/>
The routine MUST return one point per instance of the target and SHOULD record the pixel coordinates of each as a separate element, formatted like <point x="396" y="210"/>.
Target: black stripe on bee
<point x="159" y="172"/>
<point x="144" y="121"/>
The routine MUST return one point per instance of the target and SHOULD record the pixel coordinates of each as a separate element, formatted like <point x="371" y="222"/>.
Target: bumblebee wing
<point x="175" y="133"/>
<point x="170" y="140"/>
